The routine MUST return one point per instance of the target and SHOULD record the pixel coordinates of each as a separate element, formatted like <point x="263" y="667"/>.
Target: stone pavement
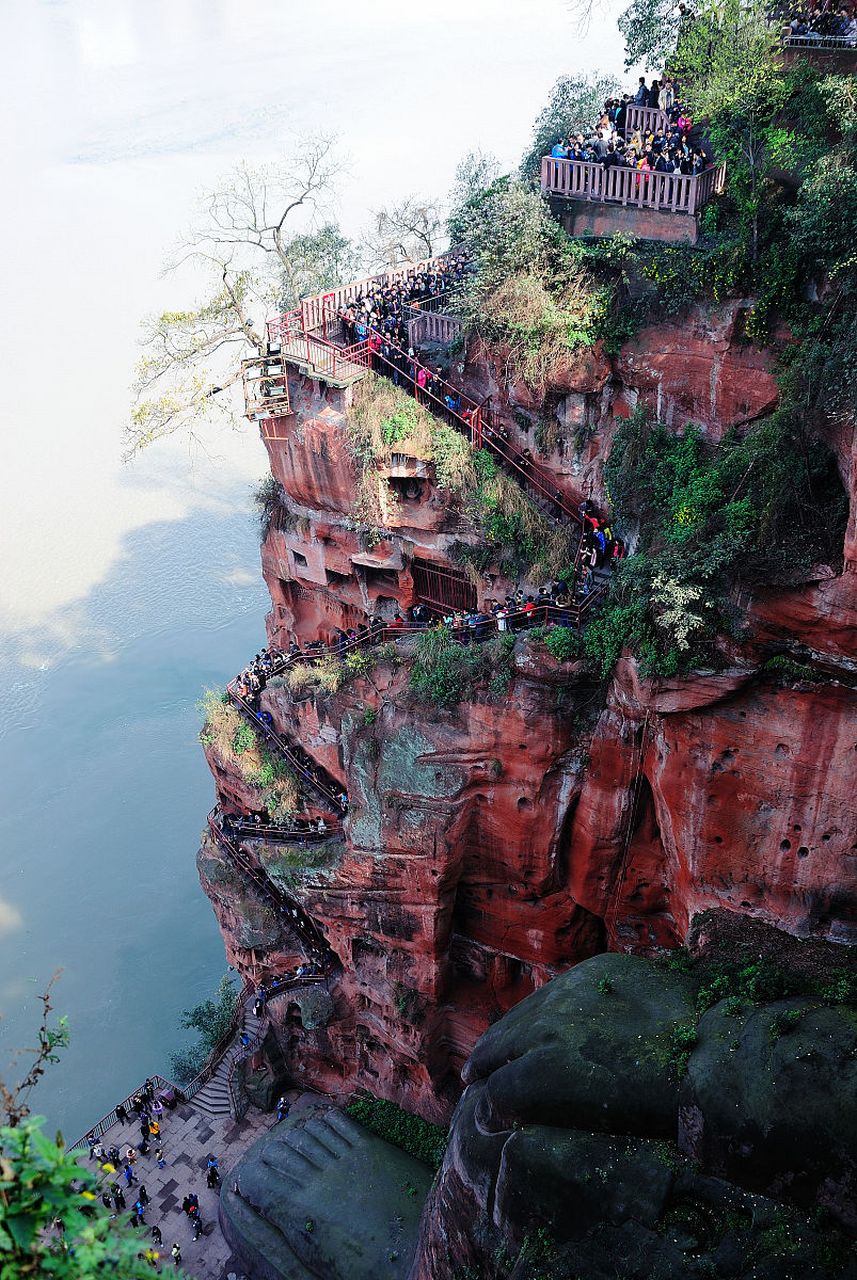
<point x="187" y="1138"/>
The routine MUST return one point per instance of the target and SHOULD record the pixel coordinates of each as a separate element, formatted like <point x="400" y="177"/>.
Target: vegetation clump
<point x="52" y="1221"/>
<point x="445" y="673"/>
<point x="761" y="508"/>
<point x="420" y="1138"/>
<point x="234" y="739"/>
<point x="212" y="1018"/>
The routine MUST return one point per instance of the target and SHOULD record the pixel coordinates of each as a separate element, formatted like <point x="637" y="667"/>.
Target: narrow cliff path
<point x="321" y="960"/>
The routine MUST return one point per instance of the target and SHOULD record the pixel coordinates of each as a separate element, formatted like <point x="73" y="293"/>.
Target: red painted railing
<point x="667" y="192"/>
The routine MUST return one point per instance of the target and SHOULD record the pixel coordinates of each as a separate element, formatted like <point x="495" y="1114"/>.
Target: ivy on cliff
<point x="420" y="1138"/>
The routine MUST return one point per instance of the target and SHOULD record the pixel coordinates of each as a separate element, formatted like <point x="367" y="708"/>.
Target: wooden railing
<point x="312" y="309"/>
<point x="432" y="326"/>
<point x="644" y="119"/>
<point x="645" y="189"/>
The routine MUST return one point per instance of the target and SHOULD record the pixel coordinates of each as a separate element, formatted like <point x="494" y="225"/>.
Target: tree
<point x="213" y="1020"/>
<point x="476" y="175"/>
<point x="52" y="1223"/>
<point x="319" y="261"/>
<point x="403" y="232"/>
<point x="650" y="28"/>
<point x="727" y="68"/>
<point x="244" y="246"/>
<point x="574" y="106"/>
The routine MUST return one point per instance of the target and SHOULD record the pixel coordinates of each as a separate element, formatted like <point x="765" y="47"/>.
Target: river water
<point x="125" y="591"/>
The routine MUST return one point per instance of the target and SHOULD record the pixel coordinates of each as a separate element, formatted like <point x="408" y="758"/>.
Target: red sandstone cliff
<point x="489" y="847"/>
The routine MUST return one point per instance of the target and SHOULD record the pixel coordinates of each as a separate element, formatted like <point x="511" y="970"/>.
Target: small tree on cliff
<point x="575" y="105"/>
<point x="244" y="246"/>
<point x="403" y="232"/>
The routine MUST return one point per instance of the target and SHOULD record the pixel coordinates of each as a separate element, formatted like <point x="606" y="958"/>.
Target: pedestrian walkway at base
<point x="189" y="1135"/>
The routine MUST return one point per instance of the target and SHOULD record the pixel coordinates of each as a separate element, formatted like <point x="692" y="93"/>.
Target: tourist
<point x="642" y="95"/>
<point x="121" y="1114"/>
<point x="159" y="1156"/>
<point x="143" y="1195"/>
<point x="156" y="1235"/>
<point x="176" y="1255"/>
<point x="119" y="1199"/>
<point x="212" y="1178"/>
<point x="282" y="1108"/>
<point x="197" y="1227"/>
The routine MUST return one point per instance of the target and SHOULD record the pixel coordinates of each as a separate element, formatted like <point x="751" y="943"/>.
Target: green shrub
<point x="442" y="669"/>
<point x="564" y="643"/>
<point x="784" y="1022"/>
<point x="757" y="509"/>
<point x="683" y="1037"/>
<point x="424" y="1141"/>
<point x="244" y="738"/>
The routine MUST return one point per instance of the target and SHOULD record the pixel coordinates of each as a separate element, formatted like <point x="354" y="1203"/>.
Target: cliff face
<point x="489" y="847"/>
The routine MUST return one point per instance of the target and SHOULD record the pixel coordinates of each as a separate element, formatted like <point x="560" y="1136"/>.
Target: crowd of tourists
<point x="554" y="603"/>
<point x="257" y="822"/>
<point x="825" y="21"/>
<point x="249" y="685"/>
<point x="121" y="1170"/>
<point x="380" y="312"/>
<point x="665" y="148"/>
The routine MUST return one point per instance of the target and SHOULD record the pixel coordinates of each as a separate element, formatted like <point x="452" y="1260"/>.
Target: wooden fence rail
<point x="668" y="192"/>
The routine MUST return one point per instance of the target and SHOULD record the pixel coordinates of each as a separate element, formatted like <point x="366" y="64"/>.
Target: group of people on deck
<point x="666" y="148"/>
<point x="825" y="21"/>
<point x="381" y="309"/>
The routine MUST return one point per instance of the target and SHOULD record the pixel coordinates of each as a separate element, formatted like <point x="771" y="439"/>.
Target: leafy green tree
<point x="650" y="29"/>
<point x="729" y="78"/>
<point x="213" y="1020"/>
<point x="475" y="177"/>
<point x="574" y="106"/>
<point x="318" y="261"/>
<point x="52" y="1223"/>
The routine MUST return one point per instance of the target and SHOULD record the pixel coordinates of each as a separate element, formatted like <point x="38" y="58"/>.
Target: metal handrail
<point x="819" y="42"/>
<point x="302" y="924"/>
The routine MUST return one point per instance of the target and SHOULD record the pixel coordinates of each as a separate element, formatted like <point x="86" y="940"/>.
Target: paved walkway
<point x="188" y="1135"/>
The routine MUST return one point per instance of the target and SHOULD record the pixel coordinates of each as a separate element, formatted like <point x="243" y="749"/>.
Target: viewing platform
<point x="599" y="200"/>
<point x="831" y="54"/>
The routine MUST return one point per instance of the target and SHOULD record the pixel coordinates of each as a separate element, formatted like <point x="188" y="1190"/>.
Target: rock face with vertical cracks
<point x="580" y="1147"/>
